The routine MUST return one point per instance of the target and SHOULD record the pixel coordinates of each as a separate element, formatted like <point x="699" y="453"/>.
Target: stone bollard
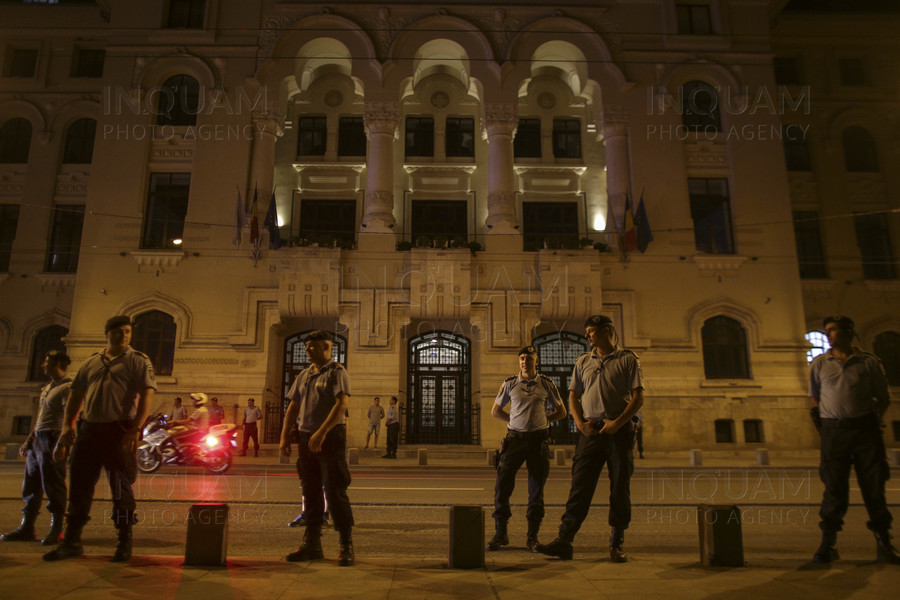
<point x="491" y="456"/>
<point x="560" y="455"/>
<point x="894" y="455"/>
<point x="466" y="537"/>
<point x="422" y="454"/>
<point x="352" y="456"/>
<point x="762" y="456"/>
<point x="696" y="458"/>
<point x="721" y="541"/>
<point x="207" y="535"/>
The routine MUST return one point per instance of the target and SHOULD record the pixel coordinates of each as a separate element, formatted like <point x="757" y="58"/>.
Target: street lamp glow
<point x="599" y="221"/>
<point x="177" y="242"/>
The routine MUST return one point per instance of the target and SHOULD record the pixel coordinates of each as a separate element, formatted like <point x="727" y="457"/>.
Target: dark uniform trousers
<point x="393" y="437"/>
<point x="591" y="453"/>
<point x="857" y="443"/>
<point x="44" y="475"/>
<point x="326" y="469"/>
<point x="99" y="445"/>
<point x="251" y="431"/>
<point x="533" y="449"/>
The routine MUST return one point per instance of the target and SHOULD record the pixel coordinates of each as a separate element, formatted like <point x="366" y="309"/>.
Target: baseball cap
<point x="597" y="321"/>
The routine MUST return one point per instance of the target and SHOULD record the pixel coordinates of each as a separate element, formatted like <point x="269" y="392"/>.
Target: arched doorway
<point x="439" y="409"/>
<point x="556" y="355"/>
<point x="295" y="361"/>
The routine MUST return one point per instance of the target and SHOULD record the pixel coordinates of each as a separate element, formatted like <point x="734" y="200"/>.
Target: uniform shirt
<point x="606" y="384"/>
<point x="391" y="415"/>
<point x="527" y="399"/>
<point x="252" y="414"/>
<point x="53" y="405"/>
<point x="847" y="389"/>
<point x="179" y="413"/>
<point x="375" y="414"/>
<point x="316" y="391"/>
<point x="216" y="414"/>
<point x="111" y="387"/>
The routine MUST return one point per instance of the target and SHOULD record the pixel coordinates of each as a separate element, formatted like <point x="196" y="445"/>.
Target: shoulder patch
<point x="631" y="352"/>
<point x="141" y="354"/>
<point x="545" y="377"/>
<point x="513" y="378"/>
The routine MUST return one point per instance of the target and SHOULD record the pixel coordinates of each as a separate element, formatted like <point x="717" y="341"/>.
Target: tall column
<point x="618" y="165"/>
<point x="500" y="121"/>
<point x="267" y="128"/>
<point x="381" y="119"/>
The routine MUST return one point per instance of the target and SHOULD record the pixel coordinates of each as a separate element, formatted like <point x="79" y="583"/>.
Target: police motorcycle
<point x="162" y="444"/>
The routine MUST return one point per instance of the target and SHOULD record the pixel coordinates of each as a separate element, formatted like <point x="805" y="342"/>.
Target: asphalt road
<point x="405" y="513"/>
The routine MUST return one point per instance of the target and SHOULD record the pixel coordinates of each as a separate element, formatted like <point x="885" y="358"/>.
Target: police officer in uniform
<point x="606" y="391"/>
<point x="319" y="396"/>
<point x="527" y="441"/>
<point x="849" y="393"/>
<point x="113" y="390"/>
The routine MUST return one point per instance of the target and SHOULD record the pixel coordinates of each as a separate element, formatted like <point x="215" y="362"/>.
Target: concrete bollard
<point x="721" y="541"/>
<point x="207" y="535"/>
<point x="466" y="537"/>
<point x="696" y="458"/>
<point x="491" y="456"/>
<point x="762" y="456"/>
<point x="894" y="455"/>
<point x="422" y="454"/>
<point x="352" y="456"/>
<point x="560" y="455"/>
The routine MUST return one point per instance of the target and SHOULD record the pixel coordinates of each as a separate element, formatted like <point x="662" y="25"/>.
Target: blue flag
<point x="644" y="233"/>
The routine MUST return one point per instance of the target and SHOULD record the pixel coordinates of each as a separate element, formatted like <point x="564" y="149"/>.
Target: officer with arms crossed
<point x="43" y="473"/>
<point x="606" y="391"/>
<point x="849" y="393"/>
<point x="527" y="440"/>
<point x="319" y="395"/>
<point x="114" y="391"/>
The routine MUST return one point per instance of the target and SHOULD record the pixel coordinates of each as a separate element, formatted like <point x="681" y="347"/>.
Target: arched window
<point x="47" y="339"/>
<point x="15" y="141"/>
<point x="154" y="335"/>
<point x="557" y="352"/>
<point x="819" y="343"/>
<point x="179" y="98"/>
<point x="80" y="142"/>
<point x="700" y="107"/>
<point x="860" y="155"/>
<point x="724" y="349"/>
<point x="887" y="348"/>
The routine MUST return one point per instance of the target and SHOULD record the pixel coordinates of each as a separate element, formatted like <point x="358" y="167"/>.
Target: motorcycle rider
<point x="196" y="425"/>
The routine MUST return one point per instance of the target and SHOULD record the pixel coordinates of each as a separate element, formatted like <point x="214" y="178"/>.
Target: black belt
<point x="868" y="419"/>
<point x="524" y="435"/>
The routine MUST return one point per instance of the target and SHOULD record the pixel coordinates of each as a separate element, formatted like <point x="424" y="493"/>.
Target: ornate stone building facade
<point x="451" y="183"/>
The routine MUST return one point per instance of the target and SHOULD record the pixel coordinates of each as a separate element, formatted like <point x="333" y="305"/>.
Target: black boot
<point x="500" y="535"/>
<point x="886" y="552"/>
<point x="70" y="546"/>
<point x="123" y="545"/>
<point x="54" y="536"/>
<point x="24" y="532"/>
<point x="346" y="558"/>
<point x="826" y="552"/>
<point x="616" y="539"/>
<point x="531" y="538"/>
<point x="561" y="547"/>
<point x="310" y="549"/>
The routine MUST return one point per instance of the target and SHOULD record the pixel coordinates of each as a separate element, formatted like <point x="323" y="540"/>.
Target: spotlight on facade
<point x="177" y="241"/>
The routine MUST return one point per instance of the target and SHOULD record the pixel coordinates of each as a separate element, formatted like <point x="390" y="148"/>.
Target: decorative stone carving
<point x="500" y="118"/>
<point x="546" y="100"/>
<point x="501" y="209"/>
<point x="382" y="117"/>
<point x="334" y="98"/>
<point x="379" y="208"/>
<point x="440" y="100"/>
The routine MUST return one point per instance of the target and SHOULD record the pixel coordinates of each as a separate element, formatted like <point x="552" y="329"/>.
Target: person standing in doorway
<point x="606" y="391"/>
<point x="252" y="416"/>
<point x="43" y="473"/>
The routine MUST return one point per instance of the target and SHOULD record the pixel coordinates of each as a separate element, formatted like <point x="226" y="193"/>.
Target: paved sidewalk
<point x="518" y="577"/>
